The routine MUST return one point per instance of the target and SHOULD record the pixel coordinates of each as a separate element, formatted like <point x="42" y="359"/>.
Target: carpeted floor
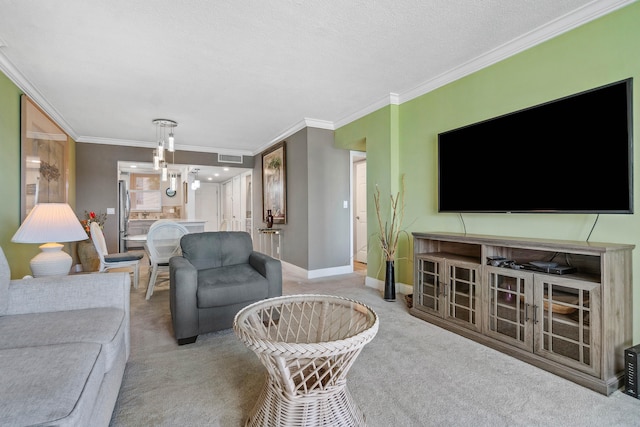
<point x="411" y="374"/>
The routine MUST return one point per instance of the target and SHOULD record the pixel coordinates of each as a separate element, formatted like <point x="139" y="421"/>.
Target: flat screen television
<point x="570" y="155"/>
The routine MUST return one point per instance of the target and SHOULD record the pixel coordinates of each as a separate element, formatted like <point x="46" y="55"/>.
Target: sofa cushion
<point x="230" y="285"/>
<point x="49" y="385"/>
<point x="104" y="326"/>
<point x="5" y="277"/>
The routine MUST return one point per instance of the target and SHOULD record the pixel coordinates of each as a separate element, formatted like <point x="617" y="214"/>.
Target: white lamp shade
<point x="48" y="223"/>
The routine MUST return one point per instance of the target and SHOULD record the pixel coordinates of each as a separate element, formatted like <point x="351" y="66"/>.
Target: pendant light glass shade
<point x="160" y="150"/>
<point x="171" y="140"/>
<point x="196" y="182"/>
<point x="165" y="172"/>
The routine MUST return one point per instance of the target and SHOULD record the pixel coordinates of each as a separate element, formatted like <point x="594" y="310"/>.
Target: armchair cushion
<point x="230" y="285"/>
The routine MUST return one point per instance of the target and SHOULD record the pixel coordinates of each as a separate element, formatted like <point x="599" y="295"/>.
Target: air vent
<point x="229" y="158"/>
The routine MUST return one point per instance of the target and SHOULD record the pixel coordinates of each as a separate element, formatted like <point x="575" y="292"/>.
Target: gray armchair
<point x="218" y="274"/>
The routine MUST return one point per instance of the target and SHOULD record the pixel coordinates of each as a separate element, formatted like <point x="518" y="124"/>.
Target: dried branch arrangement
<point x="390" y="232"/>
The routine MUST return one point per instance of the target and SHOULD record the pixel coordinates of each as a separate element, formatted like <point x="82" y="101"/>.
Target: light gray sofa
<point x="218" y="274"/>
<point x="64" y="344"/>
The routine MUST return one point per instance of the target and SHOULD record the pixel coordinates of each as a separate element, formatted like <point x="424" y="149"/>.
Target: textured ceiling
<point x="239" y="75"/>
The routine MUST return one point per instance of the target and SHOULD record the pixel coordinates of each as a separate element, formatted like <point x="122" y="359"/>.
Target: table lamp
<point x="50" y="223"/>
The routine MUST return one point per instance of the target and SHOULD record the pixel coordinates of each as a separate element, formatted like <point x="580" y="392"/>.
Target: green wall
<point x="10" y="167"/>
<point x="597" y="53"/>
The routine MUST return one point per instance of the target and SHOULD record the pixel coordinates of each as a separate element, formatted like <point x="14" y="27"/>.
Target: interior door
<point x="237" y="205"/>
<point x="361" y="211"/>
<point x="227" y="207"/>
<point x="207" y="205"/>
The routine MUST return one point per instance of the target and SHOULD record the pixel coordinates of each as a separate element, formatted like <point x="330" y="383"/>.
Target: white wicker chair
<point x="307" y="343"/>
<point x="163" y="242"/>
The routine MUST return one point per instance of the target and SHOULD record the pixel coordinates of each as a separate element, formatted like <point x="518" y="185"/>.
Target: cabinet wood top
<point x="524" y="242"/>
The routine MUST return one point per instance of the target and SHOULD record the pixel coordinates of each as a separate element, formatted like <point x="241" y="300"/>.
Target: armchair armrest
<point x="60" y="293"/>
<point x="270" y="268"/>
<point x="183" y="302"/>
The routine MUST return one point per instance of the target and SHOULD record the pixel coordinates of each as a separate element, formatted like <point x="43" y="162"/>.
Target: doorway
<point x="359" y="203"/>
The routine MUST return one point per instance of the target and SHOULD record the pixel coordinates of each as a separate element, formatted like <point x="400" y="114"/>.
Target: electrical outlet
<point x="345" y="204"/>
<point x="111" y="211"/>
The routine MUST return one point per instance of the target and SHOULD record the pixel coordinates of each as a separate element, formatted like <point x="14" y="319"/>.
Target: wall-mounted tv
<point x="570" y="155"/>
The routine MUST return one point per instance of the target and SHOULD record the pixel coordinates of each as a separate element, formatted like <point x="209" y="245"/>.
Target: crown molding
<point x="7" y="67"/>
<point x="319" y="124"/>
<point x="152" y="145"/>
<point x="391" y="99"/>
<point x="111" y="141"/>
<point x="304" y="123"/>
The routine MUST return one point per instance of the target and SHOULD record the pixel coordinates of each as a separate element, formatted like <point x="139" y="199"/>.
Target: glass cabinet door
<point x="510" y="306"/>
<point x="462" y="294"/>
<point x="429" y="284"/>
<point x="569" y="327"/>
<point x="144" y="192"/>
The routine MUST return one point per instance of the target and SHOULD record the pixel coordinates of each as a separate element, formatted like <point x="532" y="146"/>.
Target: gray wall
<point x="97" y="177"/>
<point x="329" y="221"/>
<point x="316" y="235"/>
<point x="296" y="237"/>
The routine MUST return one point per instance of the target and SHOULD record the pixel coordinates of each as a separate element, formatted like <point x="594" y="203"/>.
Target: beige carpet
<point x="411" y="374"/>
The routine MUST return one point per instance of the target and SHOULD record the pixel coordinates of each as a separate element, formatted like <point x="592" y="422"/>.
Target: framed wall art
<point x="274" y="183"/>
<point x="44" y="169"/>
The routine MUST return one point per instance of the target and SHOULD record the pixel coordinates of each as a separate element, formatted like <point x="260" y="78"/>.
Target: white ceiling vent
<point x="229" y="158"/>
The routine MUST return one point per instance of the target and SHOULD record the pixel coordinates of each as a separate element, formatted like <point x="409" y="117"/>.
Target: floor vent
<point x="229" y="158"/>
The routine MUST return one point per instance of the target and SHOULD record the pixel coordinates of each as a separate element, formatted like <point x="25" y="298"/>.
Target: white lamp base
<point x="52" y="261"/>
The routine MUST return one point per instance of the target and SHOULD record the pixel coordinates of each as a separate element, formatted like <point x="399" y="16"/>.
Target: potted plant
<point x="389" y="233"/>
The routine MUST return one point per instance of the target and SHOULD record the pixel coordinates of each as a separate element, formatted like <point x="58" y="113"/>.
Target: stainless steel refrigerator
<point x="123" y="215"/>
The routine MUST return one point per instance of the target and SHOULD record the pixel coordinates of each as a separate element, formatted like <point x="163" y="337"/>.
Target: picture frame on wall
<point x="274" y="183"/>
<point x="44" y="168"/>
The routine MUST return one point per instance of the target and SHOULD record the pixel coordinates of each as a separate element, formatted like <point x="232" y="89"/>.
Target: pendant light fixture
<point x="164" y="142"/>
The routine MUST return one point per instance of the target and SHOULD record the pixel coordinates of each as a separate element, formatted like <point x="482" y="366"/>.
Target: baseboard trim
<point x="401" y="288"/>
<point x="333" y="271"/>
<point x="322" y="272"/>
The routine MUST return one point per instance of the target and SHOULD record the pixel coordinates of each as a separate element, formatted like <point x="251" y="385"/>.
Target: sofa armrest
<point x="183" y="300"/>
<point x="271" y="269"/>
<point x="60" y="293"/>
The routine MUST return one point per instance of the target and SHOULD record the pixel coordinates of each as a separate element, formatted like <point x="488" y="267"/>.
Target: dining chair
<point x="163" y="242"/>
<point x="116" y="260"/>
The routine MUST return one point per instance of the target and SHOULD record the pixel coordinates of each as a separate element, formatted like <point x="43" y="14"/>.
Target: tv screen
<point x="571" y="155"/>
